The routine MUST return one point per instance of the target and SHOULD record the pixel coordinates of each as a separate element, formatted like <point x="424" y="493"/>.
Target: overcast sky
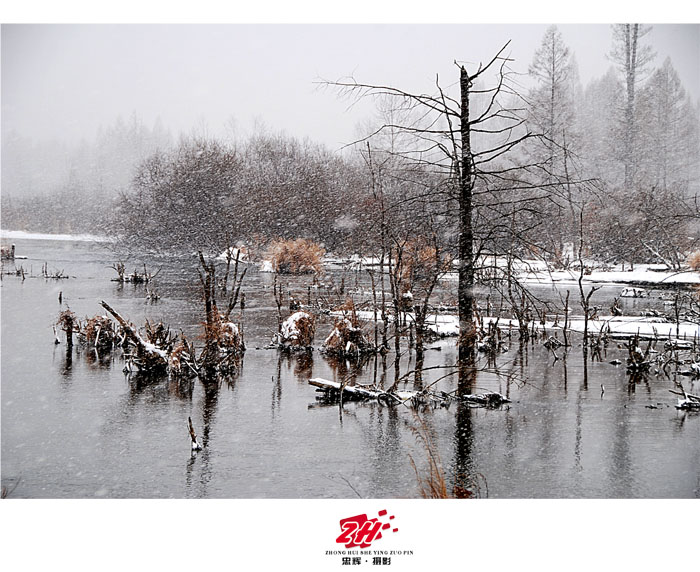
<point x="64" y="81"/>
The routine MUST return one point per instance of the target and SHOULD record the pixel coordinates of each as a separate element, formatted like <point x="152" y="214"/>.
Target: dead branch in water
<point x="150" y="358"/>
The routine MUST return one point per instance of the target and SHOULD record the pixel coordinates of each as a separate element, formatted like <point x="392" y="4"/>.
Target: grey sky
<point x="64" y="81"/>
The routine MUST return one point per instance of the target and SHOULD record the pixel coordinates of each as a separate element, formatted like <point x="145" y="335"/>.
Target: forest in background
<point x="613" y="165"/>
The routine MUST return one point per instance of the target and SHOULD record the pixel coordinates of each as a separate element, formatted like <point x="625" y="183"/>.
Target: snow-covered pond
<point x="74" y="426"/>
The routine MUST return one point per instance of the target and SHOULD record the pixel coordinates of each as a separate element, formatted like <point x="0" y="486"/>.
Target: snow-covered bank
<point x="22" y="235"/>
<point x="643" y="274"/>
<point x="440" y="324"/>
<point x="613" y="326"/>
<point x="537" y="272"/>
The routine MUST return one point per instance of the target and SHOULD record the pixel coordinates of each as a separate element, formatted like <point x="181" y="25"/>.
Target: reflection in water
<point x="387" y="457"/>
<point x="620" y="468"/>
<point x="75" y="426"/>
<point x="277" y="387"/>
<point x="348" y="367"/>
<point x="463" y="470"/>
<point x="96" y="359"/>
<point x="67" y="369"/>
<point x="301" y="362"/>
<point x="199" y="471"/>
<point x="579" y="424"/>
<point x="209" y="403"/>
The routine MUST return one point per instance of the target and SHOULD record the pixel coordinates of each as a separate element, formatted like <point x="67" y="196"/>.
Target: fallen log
<point x="686" y="395"/>
<point x="689" y="400"/>
<point x="333" y="391"/>
<point x="150" y="357"/>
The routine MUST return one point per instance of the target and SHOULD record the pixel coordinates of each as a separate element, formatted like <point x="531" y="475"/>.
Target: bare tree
<point x="468" y="139"/>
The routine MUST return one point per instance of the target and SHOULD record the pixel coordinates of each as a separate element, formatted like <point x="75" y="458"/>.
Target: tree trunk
<point x="465" y="294"/>
<point x="632" y="31"/>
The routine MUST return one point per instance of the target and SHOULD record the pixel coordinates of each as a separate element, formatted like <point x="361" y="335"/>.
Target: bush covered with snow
<point x="297" y="331"/>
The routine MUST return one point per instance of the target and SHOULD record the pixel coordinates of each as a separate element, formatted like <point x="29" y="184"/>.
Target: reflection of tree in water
<point x="67" y="368"/>
<point x="637" y="378"/>
<point x="387" y="457"/>
<point x="344" y="367"/>
<point x="277" y="387"/>
<point x="97" y="359"/>
<point x="463" y="474"/>
<point x="578" y="435"/>
<point x="199" y="472"/>
<point x="301" y="362"/>
<point x="620" y="471"/>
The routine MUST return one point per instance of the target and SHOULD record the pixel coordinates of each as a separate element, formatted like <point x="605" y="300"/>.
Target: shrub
<point x="99" y="332"/>
<point x="298" y="256"/>
<point x="347" y="337"/>
<point x="297" y="331"/>
<point x="694" y="261"/>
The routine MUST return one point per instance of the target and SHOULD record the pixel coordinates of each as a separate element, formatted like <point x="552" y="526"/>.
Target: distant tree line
<point x="56" y="187"/>
<point x="611" y="171"/>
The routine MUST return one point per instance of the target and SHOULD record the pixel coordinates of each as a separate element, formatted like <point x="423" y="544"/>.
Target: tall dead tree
<point x="438" y="132"/>
<point x="465" y="293"/>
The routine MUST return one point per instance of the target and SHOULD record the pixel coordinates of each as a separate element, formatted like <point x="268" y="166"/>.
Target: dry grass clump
<point x="300" y="256"/>
<point x="421" y="261"/>
<point x="694" y="261"/>
<point x="433" y="483"/>
<point x="67" y="320"/>
<point x="99" y="332"/>
<point x="297" y="331"/>
<point x="160" y="336"/>
<point x="347" y="337"/>
<point x="183" y="359"/>
<point x="226" y="336"/>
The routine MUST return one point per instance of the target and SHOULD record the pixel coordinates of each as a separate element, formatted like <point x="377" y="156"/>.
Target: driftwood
<point x="333" y="391"/>
<point x="148" y="356"/>
<point x="689" y="400"/>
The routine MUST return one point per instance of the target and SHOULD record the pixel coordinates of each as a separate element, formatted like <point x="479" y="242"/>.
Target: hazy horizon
<point x="63" y="82"/>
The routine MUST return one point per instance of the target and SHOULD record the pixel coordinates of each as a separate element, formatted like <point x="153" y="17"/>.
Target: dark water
<point x="74" y="426"/>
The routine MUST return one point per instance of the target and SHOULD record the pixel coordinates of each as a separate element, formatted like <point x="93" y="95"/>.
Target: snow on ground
<point x="615" y="326"/>
<point x="537" y="272"/>
<point x="440" y="324"/>
<point x="354" y="262"/>
<point x="22" y="235"/>
<point x="647" y="273"/>
<point x="235" y="252"/>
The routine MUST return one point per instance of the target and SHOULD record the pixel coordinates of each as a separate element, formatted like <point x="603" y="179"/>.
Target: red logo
<point x="362" y="531"/>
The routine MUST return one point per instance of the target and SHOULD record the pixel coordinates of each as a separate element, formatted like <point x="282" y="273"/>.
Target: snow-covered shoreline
<point x="647" y="274"/>
<point x="23" y="235"/>
<point x="447" y="325"/>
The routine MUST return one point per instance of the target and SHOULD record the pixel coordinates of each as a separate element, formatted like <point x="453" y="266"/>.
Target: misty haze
<point x="337" y="261"/>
